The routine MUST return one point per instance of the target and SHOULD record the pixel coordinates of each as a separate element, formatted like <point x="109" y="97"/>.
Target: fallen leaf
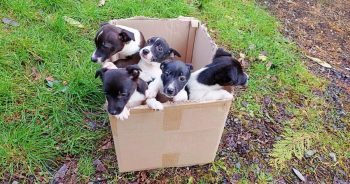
<point x="262" y="57"/>
<point x="35" y="74"/>
<point x="61" y="173"/>
<point x="300" y="176"/>
<point x="309" y="153"/>
<point x="10" y="22"/>
<point x="101" y="3"/>
<point x="143" y="176"/>
<point x="333" y="156"/>
<point x="65" y="83"/>
<point x="99" y="166"/>
<point x="268" y="65"/>
<point x="241" y="55"/>
<point x="73" y="22"/>
<point x="319" y="61"/>
<point x="108" y="145"/>
<point x="50" y="78"/>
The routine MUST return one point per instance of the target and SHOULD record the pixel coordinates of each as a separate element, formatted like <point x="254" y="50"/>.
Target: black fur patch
<point x="224" y="71"/>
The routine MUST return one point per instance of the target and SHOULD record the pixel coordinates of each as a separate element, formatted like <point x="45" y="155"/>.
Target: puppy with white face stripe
<point x="152" y="55"/>
<point x="208" y="83"/>
<point x="111" y="40"/>
<point x="170" y="86"/>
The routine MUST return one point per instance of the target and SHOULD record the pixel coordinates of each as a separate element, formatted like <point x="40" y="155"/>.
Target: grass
<point x="42" y="125"/>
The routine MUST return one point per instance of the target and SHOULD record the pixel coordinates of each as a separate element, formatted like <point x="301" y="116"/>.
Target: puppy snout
<point x="113" y="112"/>
<point x="145" y="51"/>
<point x="93" y="58"/>
<point x="170" y="91"/>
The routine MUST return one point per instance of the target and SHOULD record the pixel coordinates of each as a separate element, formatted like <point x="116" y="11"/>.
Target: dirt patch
<point x="321" y="29"/>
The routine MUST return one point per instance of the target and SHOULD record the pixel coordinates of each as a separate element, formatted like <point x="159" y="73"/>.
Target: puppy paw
<point x="124" y="114"/>
<point x="154" y="104"/>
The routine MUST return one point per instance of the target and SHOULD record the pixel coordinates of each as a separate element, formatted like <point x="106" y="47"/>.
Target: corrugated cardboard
<point x="183" y="134"/>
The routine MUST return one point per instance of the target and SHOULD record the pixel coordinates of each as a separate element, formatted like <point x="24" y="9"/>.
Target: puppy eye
<point x="167" y="73"/>
<point x="182" y="78"/>
<point x="160" y="49"/>
<point x="123" y="94"/>
<point x="104" y="45"/>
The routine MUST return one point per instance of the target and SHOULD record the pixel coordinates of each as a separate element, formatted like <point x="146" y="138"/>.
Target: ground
<point x="293" y="115"/>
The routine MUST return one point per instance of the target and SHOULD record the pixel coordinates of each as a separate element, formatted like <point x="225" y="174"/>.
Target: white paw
<point x="124" y="114"/>
<point x="154" y="104"/>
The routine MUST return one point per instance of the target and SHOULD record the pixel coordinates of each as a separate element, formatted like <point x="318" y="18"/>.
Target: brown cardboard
<point x="183" y="134"/>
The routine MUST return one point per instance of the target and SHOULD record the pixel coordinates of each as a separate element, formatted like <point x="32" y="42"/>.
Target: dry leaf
<point x="101" y="3"/>
<point x="241" y="55"/>
<point x="36" y="75"/>
<point x="262" y="57"/>
<point x="49" y="78"/>
<point x="73" y="22"/>
<point x="10" y="22"/>
<point x="300" y="176"/>
<point x="108" y="145"/>
<point x="319" y="61"/>
<point x="99" y="166"/>
<point x="268" y="65"/>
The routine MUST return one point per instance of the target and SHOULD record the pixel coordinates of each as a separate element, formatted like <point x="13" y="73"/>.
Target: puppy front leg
<point x="181" y="96"/>
<point x="124" y="114"/>
<point x="153" y="88"/>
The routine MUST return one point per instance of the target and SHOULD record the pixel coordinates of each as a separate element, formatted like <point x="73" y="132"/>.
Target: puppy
<point x="123" y="89"/>
<point x="208" y="83"/>
<point x="117" y="39"/>
<point x="170" y="86"/>
<point x="155" y="51"/>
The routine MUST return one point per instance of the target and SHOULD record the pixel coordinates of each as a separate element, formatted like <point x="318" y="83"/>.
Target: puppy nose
<point x="113" y="112"/>
<point x="170" y="91"/>
<point x="145" y="51"/>
<point x="93" y="58"/>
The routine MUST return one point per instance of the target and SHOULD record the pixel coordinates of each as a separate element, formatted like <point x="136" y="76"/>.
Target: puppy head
<point x="157" y="50"/>
<point x="175" y="75"/>
<point x="227" y="71"/>
<point x="109" y="40"/>
<point x="118" y="86"/>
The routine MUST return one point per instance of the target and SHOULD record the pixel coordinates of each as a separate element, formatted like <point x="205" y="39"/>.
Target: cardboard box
<point x="183" y="134"/>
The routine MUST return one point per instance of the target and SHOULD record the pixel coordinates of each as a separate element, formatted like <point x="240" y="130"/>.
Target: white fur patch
<point x="136" y="99"/>
<point x="202" y="92"/>
<point x="99" y="35"/>
<point x="133" y="46"/>
<point x="150" y="70"/>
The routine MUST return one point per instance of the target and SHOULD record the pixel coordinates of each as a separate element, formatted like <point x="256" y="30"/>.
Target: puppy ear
<point x="100" y="72"/>
<point x="189" y="66"/>
<point x="133" y="71"/>
<point x="221" y="52"/>
<point x="174" y="53"/>
<point x="103" y="23"/>
<point x="126" y="36"/>
<point x="164" y="63"/>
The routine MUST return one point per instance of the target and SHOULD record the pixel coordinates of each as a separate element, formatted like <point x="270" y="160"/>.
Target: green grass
<point x="41" y="125"/>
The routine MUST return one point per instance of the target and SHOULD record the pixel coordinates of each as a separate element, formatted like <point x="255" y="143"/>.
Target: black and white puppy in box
<point x="170" y="86"/>
<point x="123" y="89"/>
<point x="208" y="82"/>
<point x="111" y="40"/>
<point x="155" y="51"/>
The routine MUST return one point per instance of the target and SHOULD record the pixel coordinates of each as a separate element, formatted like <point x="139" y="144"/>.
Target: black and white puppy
<point x="170" y="86"/>
<point x="208" y="83"/>
<point x="117" y="39"/>
<point x="155" y="51"/>
<point x="123" y="89"/>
